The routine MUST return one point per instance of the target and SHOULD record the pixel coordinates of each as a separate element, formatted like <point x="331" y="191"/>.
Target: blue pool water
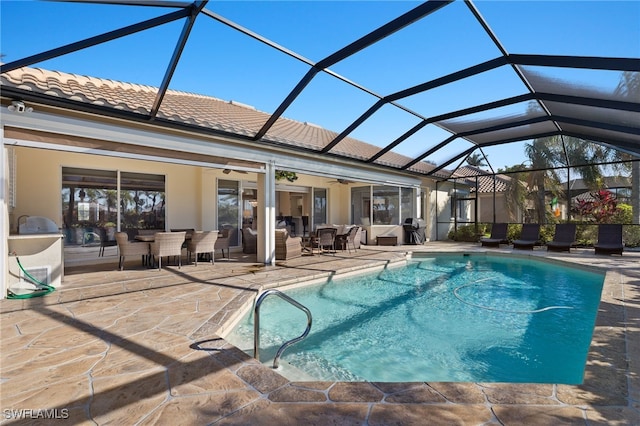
<point x="464" y="318"/>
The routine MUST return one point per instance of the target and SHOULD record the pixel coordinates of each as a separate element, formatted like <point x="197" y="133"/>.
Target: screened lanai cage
<point x="597" y="193"/>
<point x="515" y="123"/>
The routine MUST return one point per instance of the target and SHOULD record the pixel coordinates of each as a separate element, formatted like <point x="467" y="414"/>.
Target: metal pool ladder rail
<point x="256" y="324"/>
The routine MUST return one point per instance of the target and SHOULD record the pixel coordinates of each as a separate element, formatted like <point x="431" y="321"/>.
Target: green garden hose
<point x="42" y="289"/>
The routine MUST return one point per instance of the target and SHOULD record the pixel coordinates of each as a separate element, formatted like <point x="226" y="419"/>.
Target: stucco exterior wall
<point x="39" y="183"/>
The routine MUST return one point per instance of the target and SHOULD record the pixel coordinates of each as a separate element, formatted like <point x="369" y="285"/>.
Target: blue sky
<point x="225" y="64"/>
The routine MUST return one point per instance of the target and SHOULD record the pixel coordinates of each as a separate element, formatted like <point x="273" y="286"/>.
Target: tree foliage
<point x="601" y="209"/>
<point x="283" y="174"/>
<point x="476" y="159"/>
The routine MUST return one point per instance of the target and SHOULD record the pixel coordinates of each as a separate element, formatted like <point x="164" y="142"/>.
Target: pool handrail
<point x="256" y="324"/>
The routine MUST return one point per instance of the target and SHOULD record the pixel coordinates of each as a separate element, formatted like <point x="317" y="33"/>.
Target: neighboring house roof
<point x="485" y="182"/>
<point x="607" y="182"/>
<point x="195" y="109"/>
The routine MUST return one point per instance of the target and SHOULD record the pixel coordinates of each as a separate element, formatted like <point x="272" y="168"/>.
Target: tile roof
<point x="485" y="182"/>
<point x="195" y="109"/>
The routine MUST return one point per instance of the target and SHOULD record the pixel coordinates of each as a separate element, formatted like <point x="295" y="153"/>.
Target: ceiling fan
<point x="341" y="181"/>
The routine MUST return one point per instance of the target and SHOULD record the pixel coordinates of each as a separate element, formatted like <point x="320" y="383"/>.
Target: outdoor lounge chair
<point x="202" y="242"/>
<point x="167" y="244"/>
<point x="249" y="241"/>
<point x="287" y="247"/>
<point x="609" y="239"/>
<point x="498" y="235"/>
<point x="127" y="248"/>
<point x="563" y="238"/>
<point x="529" y="236"/>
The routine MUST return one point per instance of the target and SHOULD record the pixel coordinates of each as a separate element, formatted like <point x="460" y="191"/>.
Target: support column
<point x="4" y="217"/>
<point x="266" y="252"/>
<point x="635" y="191"/>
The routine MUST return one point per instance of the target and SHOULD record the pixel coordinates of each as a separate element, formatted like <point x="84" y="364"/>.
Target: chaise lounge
<point x="498" y="235"/>
<point x="609" y="239"/>
<point x="529" y="236"/>
<point x="563" y="238"/>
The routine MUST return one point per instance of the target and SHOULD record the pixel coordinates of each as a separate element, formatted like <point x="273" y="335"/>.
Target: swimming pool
<point x="463" y="318"/>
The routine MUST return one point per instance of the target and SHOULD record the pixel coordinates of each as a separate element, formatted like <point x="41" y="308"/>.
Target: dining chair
<point x="167" y="244"/>
<point x="326" y="237"/>
<point x="105" y="241"/>
<point x="128" y="248"/>
<point x="201" y="243"/>
<point x="349" y="239"/>
<point x="222" y="242"/>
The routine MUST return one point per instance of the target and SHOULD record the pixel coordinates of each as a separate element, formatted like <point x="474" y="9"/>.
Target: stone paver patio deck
<point x="144" y="347"/>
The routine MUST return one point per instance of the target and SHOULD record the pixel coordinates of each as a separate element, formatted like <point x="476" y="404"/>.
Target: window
<point x="319" y="206"/>
<point x="407" y="205"/>
<point x="142" y="201"/>
<point x="228" y="209"/>
<point x="90" y="201"/>
<point x="386" y="203"/>
<point x="382" y="205"/>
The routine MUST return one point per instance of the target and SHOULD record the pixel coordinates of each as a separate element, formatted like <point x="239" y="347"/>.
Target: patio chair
<point x="167" y="244"/>
<point x="529" y="236"/>
<point x="326" y="237"/>
<point x="127" y="248"/>
<point x="222" y="242"/>
<point x="249" y="241"/>
<point x="563" y="238"/>
<point x="348" y="239"/>
<point x="187" y="237"/>
<point x="105" y="241"/>
<point x="287" y="247"/>
<point x="201" y="243"/>
<point x="498" y="235"/>
<point x="609" y="239"/>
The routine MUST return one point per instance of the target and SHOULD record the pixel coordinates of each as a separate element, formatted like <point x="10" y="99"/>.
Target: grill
<point x="414" y="231"/>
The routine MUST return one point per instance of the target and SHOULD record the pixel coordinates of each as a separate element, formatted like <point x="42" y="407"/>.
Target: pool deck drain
<point x="144" y="347"/>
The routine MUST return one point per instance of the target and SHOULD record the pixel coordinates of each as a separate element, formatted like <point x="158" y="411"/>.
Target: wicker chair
<point x="222" y="242"/>
<point x="201" y="242"/>
<point x="249" y="241"/>
<point x="349" y="239"/>
<point x="127" y="248"/>
<point x="287" y="247"/>
<point x="168" y="244"/>
<point x="326" y="238"/>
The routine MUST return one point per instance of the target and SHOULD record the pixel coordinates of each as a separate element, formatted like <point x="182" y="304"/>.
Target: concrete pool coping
<point x="147" y="356"/>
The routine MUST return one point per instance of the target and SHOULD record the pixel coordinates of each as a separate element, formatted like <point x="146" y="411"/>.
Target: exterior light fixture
<point x="19" y="107"/>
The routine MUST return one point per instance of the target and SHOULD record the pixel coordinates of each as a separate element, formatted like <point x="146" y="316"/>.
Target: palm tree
<point x="476" y="159"/>
<point x="543" y="155"/>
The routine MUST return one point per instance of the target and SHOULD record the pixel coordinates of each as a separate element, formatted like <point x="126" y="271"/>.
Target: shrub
<point x="467" y="233"/>
<point x="631" y="235"/>
<point x="547" y="232"/>
<point x="623" y="214"/>
<point x="586" y="234"/>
